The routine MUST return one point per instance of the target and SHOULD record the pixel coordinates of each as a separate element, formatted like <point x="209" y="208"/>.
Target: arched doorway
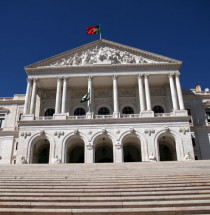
<point x="103" y="150"/>
<point x="103" y="111"/>
<point x="41" y="151"/>
<point x="49" y="112"/>
<point x="75" y="150"/>
<point x="127" y="110"/>
<point x="132" y="149"/>
<point x="167" y="148"/>
<point x="79" y="112"/>
<point x="158" y="109"/>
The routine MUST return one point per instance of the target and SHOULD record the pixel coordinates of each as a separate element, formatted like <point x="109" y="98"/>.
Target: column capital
<point x="59" y="78"/>
<point x="35" y="80"/>
<point x="29" y="80"/>
<point x="140" y="76"/>
<point x="177" y="74"/>
<point x="90" y="77"/>
<point x="146" y="75"/>
<point x="114" y="77"/>
<point x="65" y="78"/>
<point x="170" y="75"/>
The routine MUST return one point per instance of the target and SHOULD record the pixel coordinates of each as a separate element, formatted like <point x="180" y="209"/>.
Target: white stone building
<point x="136" y="110"/>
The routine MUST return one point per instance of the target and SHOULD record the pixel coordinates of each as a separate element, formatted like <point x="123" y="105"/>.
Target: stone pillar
<point x="33" y="97"/>
<point x="147" y="92"/>
<point x="115" y="97"/>
<point x="141" y="92"/>
<point x="118" y="153"/>
<point x="27" y="98"/>
<point x="58" y="97"/>
<point x="89" y="153"/>
<point x="89" y="103"/>
<point x="65" y="82"/>
<point x="179" y="91"/>
<point x="173" y="92"/>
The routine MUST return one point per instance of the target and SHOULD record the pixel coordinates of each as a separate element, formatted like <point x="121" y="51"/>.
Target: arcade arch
<point x="103" y="149"/>
<point x="40" y="151"/>
<point x="167" y="148"/>
<point x="74" y="150"/>
<point x="131" y="148"/>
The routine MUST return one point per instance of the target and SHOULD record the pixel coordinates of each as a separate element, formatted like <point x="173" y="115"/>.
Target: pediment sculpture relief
<point x="102" y="55"/>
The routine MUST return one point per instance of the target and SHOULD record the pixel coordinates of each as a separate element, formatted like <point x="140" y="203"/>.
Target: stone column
<point x="118" y="153"/>
<point x="147" y="92"/>
<point x="141" y="92"/>
<point x="90" y="93"/>
<point x="27" y="99"/>
<point x="65" y="82"/>
<point x="115" y="97"/>
<point x="89" y="153"/>
<point x="58" y="96"/>
<point x="33" y="97"/>
<point x="179" y="91"/>
<point x="173" y="92"/>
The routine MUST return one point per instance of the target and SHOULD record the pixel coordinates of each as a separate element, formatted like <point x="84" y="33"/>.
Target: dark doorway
<point x="131" y="154"/>
<point x="76" y="155"/>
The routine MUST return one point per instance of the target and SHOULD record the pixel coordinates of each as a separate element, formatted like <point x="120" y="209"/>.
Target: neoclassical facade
<point x="136" y="110"/>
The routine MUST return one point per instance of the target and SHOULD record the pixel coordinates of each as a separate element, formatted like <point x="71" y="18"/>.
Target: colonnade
<point x="143" y="86"/>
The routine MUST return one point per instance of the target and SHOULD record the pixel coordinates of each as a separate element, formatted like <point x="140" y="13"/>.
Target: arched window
<point x="158" y="109"/>
<point x="103" y="111"/>
<point x="79" y="112"/>
<point x="127" y="110"/>
<point x="49" y="112"/>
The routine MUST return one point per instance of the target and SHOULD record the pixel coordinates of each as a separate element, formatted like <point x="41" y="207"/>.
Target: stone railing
<point x="164" y="114"/>
<point x="103" y="116"/>
<point x="130" y="115"/>
<point x="77" y="117"/>
<point x="44" y="118"/>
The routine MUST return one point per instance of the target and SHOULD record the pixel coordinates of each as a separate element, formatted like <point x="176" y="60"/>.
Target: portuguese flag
<point x="85" y="98"/>
<point x="93" y="30"/>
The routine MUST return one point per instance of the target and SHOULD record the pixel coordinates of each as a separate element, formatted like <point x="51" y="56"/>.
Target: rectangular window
<point x="2" y="120"/>
<point x="189" y="114"/>
<point x="208" y="114"/>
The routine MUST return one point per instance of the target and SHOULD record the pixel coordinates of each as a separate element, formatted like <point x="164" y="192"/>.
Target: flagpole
<point x="100" y="36"/>
<point x="100" y="32"/>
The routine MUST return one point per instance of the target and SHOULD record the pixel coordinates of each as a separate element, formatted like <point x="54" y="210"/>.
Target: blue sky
<point x="32" y="30"/>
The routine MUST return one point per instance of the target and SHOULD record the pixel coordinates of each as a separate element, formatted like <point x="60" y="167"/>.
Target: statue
<point x="188" y="156"/>
<point x="56" y="160"/>
<point x="22" y="160"/>
<point x="152" y="158"/>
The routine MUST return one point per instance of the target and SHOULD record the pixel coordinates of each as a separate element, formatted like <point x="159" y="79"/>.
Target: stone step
<point x="103" y="194"/>
<point x="93" y="190"/>
<point x="125" y="211"/>
<point x="107" y="199"/>
<point x="77" y="205"/>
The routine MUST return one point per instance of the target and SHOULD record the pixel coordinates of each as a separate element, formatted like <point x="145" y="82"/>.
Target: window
<point x="127" y="110"/>
<point x="79" y="112"/>
<point x="189" y="114"/>
<point x="208" y="114"/>
<point x="158" y="109"/>
<point x="2" y="120"/>
<point x="103" y="111"/>
<point x="193" y="141"/>
<point x="49" y="112"/>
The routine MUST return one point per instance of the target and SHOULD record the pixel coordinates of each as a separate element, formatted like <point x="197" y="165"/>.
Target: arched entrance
<point x="41" y="151"/>
<point x="131" y="149"/>
<point x="103" y="150"/>
<point x="75" y="150"/>
<point x="167" y="148"/>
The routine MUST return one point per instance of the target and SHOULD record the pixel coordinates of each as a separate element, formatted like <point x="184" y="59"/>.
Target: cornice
<point x="176" y="66"/>
<point x="102" y="121"/>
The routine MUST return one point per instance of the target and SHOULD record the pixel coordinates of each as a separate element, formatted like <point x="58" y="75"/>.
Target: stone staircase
<point x="162" y="188"/>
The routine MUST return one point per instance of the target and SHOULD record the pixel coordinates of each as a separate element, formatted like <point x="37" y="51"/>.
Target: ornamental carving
<point x="25" y="134"/>
<point x="102" y="55"/>
<point x="58" y="133"/>
<point x="149" y="131"/>
<point x="184" y="130"/>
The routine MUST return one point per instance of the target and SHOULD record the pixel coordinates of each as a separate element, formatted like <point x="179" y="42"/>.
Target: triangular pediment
<point x="102" y="52"/>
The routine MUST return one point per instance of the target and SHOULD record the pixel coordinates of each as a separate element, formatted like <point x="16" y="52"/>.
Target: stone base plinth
<point x="116" y="115"/>
<point x="147" y="113"/>
<point x="60" y="116"/>
<point x="27" y="117"/>
<point x="89" y="115"/>
<point x="180" y="113"/>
